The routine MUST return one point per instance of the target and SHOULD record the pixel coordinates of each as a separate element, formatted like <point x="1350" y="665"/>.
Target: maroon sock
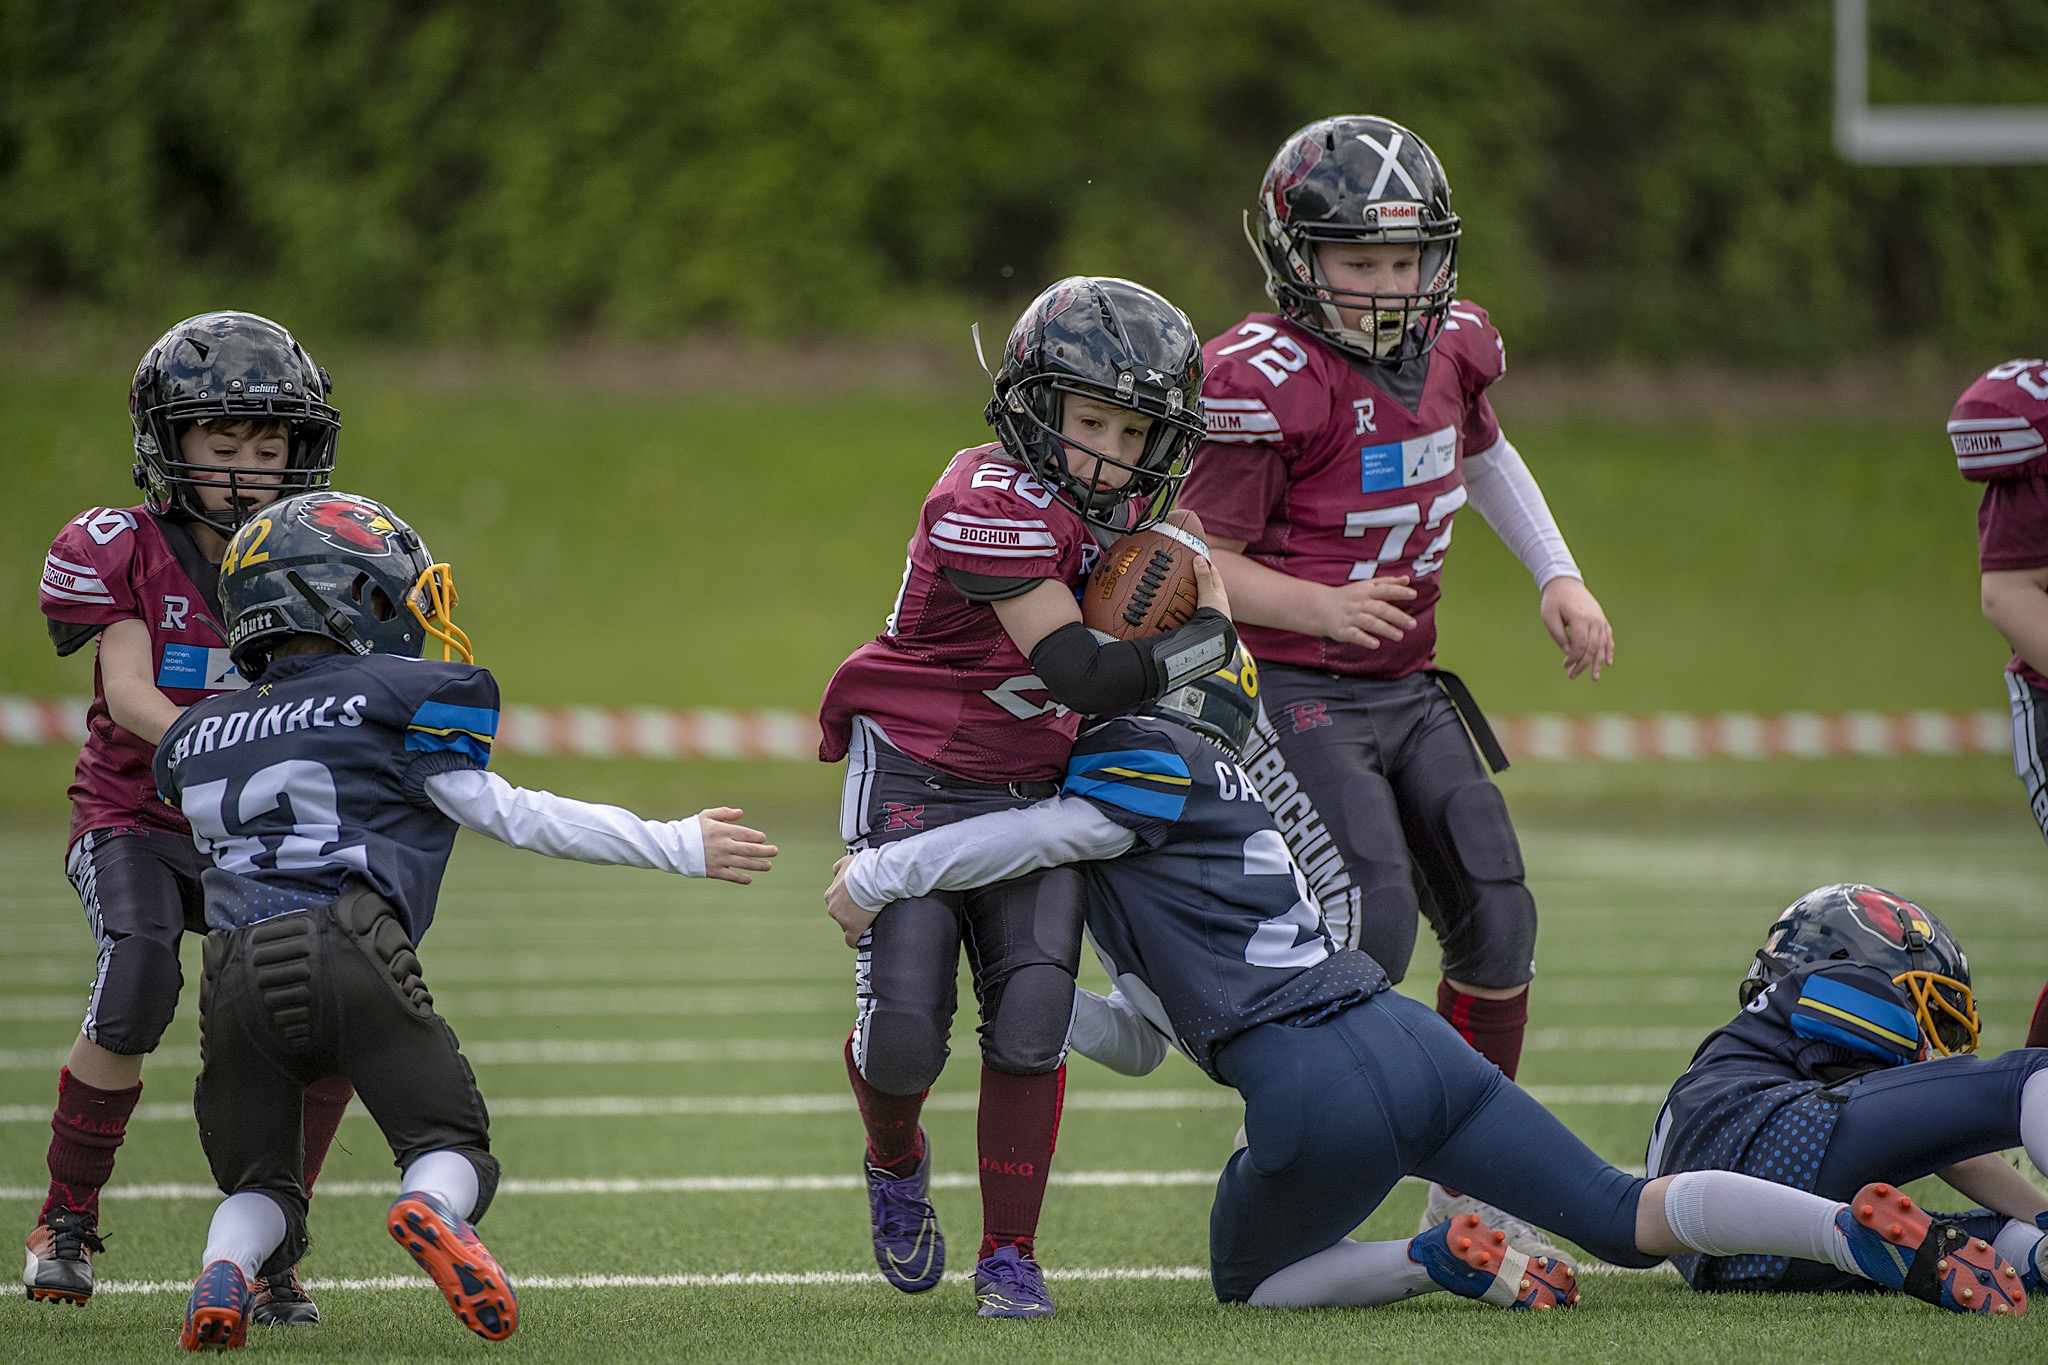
<point x="894" y="1143"/>
<point x="2037" y="1032"/>
<point x="1018" y="1128"/>
<point x="84" y="1133"/>
<point x="324" y="1105"/>
<point x="1494" y="1028"/>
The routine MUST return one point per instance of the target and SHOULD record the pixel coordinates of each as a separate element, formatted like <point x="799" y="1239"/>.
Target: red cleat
<point x="447" y="1248"/>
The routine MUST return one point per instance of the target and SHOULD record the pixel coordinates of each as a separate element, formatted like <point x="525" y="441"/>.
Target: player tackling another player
<point x="1345" y="432"/>
<point x="229" y="413"/>
<point x="967" y="702"/>
<point x="327" y="795"/>
<point x="1208" y="929"/>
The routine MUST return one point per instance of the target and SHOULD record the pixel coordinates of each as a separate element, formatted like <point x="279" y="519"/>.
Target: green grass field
<point x="682" y="1040"/>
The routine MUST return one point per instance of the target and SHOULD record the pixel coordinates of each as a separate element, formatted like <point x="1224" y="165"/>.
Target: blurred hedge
<point x="1638" y="180"/>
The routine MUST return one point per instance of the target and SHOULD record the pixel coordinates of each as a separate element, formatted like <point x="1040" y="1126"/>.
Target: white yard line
<point x="757" y="1106"/>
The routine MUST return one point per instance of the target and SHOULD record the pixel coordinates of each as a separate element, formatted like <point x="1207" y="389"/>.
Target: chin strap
<point x="331" y="616"/>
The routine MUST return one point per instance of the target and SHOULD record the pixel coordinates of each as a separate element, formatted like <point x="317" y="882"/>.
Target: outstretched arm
<point x="977" y="852"/>
<point x="704" y="845"/>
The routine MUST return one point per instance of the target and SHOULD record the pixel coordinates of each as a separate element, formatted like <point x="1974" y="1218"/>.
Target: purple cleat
<point x="908" y="1245"/>
<point x="1010" y="1285"/>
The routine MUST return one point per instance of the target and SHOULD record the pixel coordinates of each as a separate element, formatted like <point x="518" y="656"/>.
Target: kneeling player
<point x="1207" y="928"/>
<point x="1825" y="1082"/>
<point x="328" y="796"/>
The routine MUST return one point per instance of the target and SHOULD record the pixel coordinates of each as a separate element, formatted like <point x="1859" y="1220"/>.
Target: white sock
<point x="1720" y="1213"/>
<point x="247" y="1227"/>
<point x="447" y="1176"/>
<point x="2034" y="1119"/>
<point x="1347" y="1275"/>
<point x="2017" y="1242"/>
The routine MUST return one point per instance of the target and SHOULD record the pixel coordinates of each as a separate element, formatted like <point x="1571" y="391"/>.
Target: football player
<point x="1829" y="1080"/>
<point x="1208" y="929"/>
<point x="1999" y="429"/>
<point x="1345" y="431"/>
<point x="327" y="796"/>
<point x="229" y="414"/>
<point x="968" y="701"/>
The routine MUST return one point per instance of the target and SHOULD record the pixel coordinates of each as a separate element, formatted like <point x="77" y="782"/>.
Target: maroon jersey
<point x="943" y="679"/>
<point x="1336" y="472"/>
<point x="1999" y="430"/>
<point x="108" y="565"/>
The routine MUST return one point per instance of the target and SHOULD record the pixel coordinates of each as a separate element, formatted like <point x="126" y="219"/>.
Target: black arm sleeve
<point x="988" y="587"/>
<point x="1093" y="677"/>
<point x="69" y="636"/>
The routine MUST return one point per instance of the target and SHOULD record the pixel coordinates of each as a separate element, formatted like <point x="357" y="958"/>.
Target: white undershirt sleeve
<point x="985" y="850"/>
<point x="1110" y="1030"/>
<point x="1500" y="486"/>
<point x="563" y="827"/>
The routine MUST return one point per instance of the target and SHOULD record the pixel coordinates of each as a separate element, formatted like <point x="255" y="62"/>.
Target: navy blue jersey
<point x="1208" y="911"/>
<point x="317" y="774"/>
<point x="1756" y="1098"/>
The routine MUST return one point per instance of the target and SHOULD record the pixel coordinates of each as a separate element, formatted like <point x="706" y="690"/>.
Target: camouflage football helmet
<point x="1863" y="924"/>
<point x="1112" y="340"/>
<point x="227" y="367"/>
<point x="1223" y="707"/>
<point x="1357" y="179"/>
<point x="339" y="566"/>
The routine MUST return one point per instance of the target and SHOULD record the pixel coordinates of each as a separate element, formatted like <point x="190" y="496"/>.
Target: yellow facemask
<point x="432" y="600"/>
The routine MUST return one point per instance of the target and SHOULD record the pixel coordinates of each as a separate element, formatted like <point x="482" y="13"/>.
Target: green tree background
<point x="1640" y="182"/>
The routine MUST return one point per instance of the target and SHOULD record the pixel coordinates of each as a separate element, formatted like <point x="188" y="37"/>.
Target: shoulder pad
<point x="86" y="572"/>
<point x="993" y="514"/>
<point x="1999" y="427"/>
<point x="1264" y="383"/>
<point x="1471" y="337"/>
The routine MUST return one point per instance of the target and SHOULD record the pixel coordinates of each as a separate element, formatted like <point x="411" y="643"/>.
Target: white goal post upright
<point x="1922" y="134"/>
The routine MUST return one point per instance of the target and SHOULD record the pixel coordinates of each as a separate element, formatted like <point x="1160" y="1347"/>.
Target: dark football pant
<point x="140" y="889"/>
<point x="1023" y="937"/>
<point x="330" y="991"/>
<point x="1338" y="1113"/>
<point x="1389" y="813"/>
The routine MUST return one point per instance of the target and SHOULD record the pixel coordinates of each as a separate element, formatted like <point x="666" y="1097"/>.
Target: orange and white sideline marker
<point x="721" y="733"/>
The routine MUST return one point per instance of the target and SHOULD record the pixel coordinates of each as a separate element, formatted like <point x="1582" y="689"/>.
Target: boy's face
<point x="1102" y="427"/>
<point x="1386" y="269"/>
<point x="256" y="456"/>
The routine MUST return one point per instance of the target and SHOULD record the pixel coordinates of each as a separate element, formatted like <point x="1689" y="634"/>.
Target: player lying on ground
<point x="968" y="702"/>
<point x="328" y="797"/>
<point x="1827" y="1081"/>
<point x="1208" y="930"/>
<point x="230" y="414"/>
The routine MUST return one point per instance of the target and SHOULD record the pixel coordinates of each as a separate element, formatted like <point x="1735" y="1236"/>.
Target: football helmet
<point x="1357" y="178"/>
<point x="1223" y="706"/>
<point x="337" y="565"/>
<point x="227" y="366"/>
<point x="1108" y="339"/>
<point x="1881" y="930"/>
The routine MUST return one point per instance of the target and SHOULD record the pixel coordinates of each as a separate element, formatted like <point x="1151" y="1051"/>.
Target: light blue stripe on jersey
<point x="1835" y="1012"/>
<point x="438" y="727"/>
<point x="1123" y="778"/>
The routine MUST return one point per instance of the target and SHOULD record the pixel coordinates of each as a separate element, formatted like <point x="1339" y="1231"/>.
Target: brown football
<point x="1145" y="584"/>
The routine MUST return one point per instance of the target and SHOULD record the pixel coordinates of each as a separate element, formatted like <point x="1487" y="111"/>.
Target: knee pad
<point x="137" y="995"/>
<point x="900" y="1052"/>
<point x="1027" y="1030"/>
<point x="486" y="1180"/>
<point x="1480" y="833"/>
<point x="292" y="1249"/>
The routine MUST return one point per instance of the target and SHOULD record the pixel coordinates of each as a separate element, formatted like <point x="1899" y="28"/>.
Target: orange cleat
<point x="447" y="1248"/>
<point x="1897" y="1244"/>
<point x="1475" y="1261"/>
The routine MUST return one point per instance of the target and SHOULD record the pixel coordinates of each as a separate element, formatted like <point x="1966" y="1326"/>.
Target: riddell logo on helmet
<point x="1393" y="215"/>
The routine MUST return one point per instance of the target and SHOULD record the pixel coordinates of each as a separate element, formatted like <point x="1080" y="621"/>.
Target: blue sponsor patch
<point x="198" y="669"/>
<point x="1382" y="467"/>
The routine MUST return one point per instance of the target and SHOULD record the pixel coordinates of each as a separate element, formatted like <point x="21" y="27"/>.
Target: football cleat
<point x="908" y="1245"/>
<point x="217" y="1314"/>
<point x="1898" y="1245"/>
<point x="1009" y="1284"/>
<point x="59" y="1268"/>
<point x="1475" y="1261"/>
<point x="468" y="1276"/>
<point x="281" y="1301"/>
<point x="1523" y="1236"/>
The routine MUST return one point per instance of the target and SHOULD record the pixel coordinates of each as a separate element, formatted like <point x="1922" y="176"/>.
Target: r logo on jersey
<point x="901" y="815"/>
<point x="175" y="610"/>
<point x="1363" y="408"/>
<point x="1307" y="715"/>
